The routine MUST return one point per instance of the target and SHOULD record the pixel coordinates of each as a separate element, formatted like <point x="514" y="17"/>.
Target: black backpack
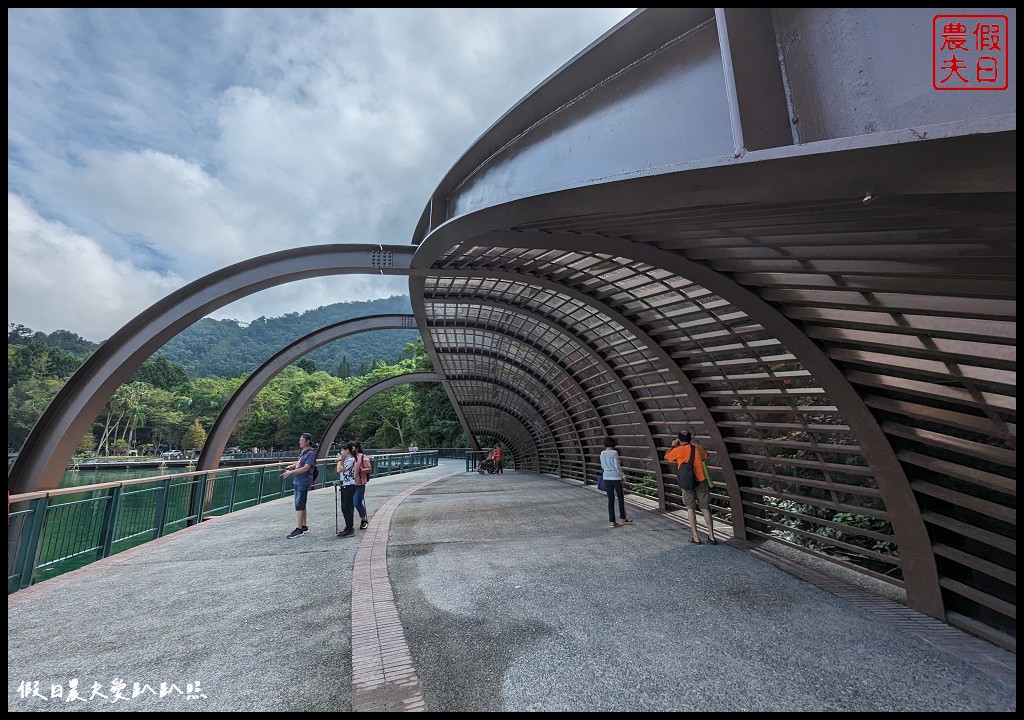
<point x="316" y="472"/>
<point x="686" y="476"/>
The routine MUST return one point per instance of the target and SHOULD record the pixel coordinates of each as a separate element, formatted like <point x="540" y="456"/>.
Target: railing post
<point x="201" y="494"/>
<point x="109" y="521"/>
<point x="231" y="490"/>
<point x="161" y="508"/>
<point x="259" y="489"/>
<point x="28" y="549"/>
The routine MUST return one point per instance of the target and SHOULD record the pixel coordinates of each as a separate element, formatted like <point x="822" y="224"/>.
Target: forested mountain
<point x="227" y="348"/>
<point x="172" y="399"/>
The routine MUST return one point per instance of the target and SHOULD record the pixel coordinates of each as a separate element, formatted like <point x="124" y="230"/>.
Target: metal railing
<point x="53" y="532"/>
<point x="475" y="457"/>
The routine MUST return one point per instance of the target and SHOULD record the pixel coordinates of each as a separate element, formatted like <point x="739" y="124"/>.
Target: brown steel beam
<point x="352" y="405"/>
<point x="52" y="442"/>
<point x="918" y="561"/>
<point x="220" y="433"/>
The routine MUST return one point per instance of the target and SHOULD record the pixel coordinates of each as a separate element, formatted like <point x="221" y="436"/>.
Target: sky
<point x="147" y="148"/>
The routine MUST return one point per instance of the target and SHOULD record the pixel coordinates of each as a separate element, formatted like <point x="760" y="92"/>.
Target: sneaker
<point x="295" y="533"/>
<point x="349" y="532"/>
<point x="305" y="528"/>
<point x="626" y="521"/>
<point x="363" y="524"/>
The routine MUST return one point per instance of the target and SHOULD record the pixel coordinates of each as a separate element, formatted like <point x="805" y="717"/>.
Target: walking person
<point x="347" y="480"/>
<point x="611" y="471"/>
<point x="686" y="452"/>
<point x="301" y="472"/>
<point x="499" y="458"/>
<point x="364" y="468"/>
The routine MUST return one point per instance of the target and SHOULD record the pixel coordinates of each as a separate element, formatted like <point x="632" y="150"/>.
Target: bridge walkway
<point x="488" y="593"/>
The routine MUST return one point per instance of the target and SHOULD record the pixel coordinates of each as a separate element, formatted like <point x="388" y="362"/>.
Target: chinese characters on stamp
<point x="970" y="52"/>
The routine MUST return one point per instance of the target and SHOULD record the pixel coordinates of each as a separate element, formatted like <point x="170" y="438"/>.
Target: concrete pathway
<point x="488" y="593"/>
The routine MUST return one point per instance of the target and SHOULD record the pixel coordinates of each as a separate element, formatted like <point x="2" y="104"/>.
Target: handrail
<point x="134" y="481"/>
<point x="51" y="532"/>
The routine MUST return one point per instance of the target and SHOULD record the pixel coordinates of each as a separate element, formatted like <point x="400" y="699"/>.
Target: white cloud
<point x="150" y="147"/>
<point x="73" y="284"/>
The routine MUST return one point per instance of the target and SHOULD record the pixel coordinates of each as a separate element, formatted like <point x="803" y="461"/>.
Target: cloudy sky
<point x="149" y="147"/>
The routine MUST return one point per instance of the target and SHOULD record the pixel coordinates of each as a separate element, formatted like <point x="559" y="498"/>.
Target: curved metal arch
<point x="352" y="405"/>
<point x="224" y="425"/>
<point x="539" y="379"/>
<point x="917" y="559"/>
<point x="577" y="342"/>
<point x="630" y="400"/>
<point x="54" y="438"/>
<point x="519" y="454"/>
<point x="528" y="402"/>
<point x="537" y="428"/>
<point x="581" y="425"/>
<point x="700" y="407"/>
<point x="500" y="305"/>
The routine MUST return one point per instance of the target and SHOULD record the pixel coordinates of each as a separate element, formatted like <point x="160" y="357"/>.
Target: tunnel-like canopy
<point x="766" y="226"/>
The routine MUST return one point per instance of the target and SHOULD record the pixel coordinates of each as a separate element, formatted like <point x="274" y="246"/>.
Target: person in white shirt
<point x="612" y="473"/>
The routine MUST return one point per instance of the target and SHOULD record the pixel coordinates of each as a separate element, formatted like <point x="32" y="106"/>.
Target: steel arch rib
<point x="54" y="438"/>
<point x="352" y="405"/>
<point x="224" y="425"/>
<point x="701" y="408"/>
<point x="528" y="401"/>
<point x="497" y="304"/>
<point x="497" y="432"/>
<point x="450" y="350"/>
<point x="916" y="557"/>
<point x="527" y="371"/>
<point x="598" y="361"/>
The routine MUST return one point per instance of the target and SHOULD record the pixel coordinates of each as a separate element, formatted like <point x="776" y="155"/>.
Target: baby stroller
<point x="487" y="466"/>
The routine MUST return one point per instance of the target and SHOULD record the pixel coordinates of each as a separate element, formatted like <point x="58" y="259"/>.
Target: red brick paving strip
<point x="383" y="676"/>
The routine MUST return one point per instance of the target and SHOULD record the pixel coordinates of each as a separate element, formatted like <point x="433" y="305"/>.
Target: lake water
<point x="93" y="475"/>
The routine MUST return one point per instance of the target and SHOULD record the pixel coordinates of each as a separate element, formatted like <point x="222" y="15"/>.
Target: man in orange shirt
<point x="684" y="451"/>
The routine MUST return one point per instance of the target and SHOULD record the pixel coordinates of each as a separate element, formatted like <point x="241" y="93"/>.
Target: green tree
<point x="87" y="444"/>
<point x="385" y="419"/>
<point x="344" y="369"/>
<point x="161" y="373"/>
<point x="26" y="401"/>
<point x="17" y="334"/>
<point x="166" y="420"/>
<point x="204" y="398"/>
<point x="122" y="407"/>
<point x="151" y="409"/>
<point x="194" y="438"/>
<point x="434" y="422"/>
<point x="312" y="403"/>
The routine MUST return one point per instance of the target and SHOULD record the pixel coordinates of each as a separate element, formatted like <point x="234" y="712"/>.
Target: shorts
<point x="301" y="493"/>
<point x="699" y="496"/>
